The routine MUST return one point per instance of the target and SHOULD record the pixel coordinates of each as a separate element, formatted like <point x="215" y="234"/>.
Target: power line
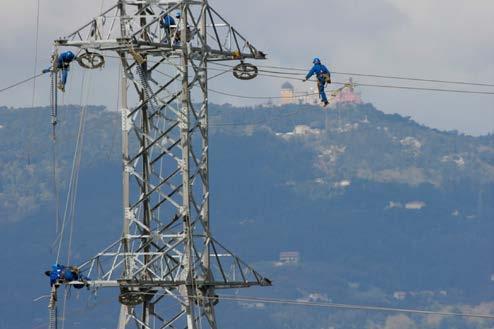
<point x="427" y="89"/>
<point x="226" y="124"/>
<point x="397" y="77"/>
<point x="356" y="84"/>
<point x="353" y="307"/>
<point x="290" y="76"/>
<point x="20" y="82"/>
<point x="36" y="37"/>
<point x="349" y="307"/>
<point x="259" y="97"/>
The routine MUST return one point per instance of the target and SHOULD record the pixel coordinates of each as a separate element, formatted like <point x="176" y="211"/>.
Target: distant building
<point x="315" y="297"/>
<point x="400" y="295"/>
<point x="311" y="97"/>
<point x="288" y="94"/>
<point x="346" y="95"/>
<point x="300" y="131"/>
<point x="289" y="257"/>
<point x="415" y="205"/>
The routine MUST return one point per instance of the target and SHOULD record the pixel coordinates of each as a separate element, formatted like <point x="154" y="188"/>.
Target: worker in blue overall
<point x="323" y="76"/>
<point x="177" y="34"/>
<point x="62" y="65"/>
<point x="166" y="23"/>
<point x="60" y="274"/>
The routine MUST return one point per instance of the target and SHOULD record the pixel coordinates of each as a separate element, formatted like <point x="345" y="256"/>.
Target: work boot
<point x="61" y="87"/>
<point x="326" y="103"/>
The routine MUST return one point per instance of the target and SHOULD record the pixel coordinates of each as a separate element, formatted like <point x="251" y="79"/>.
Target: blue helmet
<point x="67" y="56"/>
<point x="178" y="14"/>
<point x="316" y="61"/>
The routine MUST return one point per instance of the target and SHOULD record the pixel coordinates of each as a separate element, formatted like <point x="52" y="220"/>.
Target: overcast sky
<point x="437" y="39"/>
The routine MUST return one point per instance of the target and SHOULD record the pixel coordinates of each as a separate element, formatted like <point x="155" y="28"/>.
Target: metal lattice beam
<point x="167" y="265"/>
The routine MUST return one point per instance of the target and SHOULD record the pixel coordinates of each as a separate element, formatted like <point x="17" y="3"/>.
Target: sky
<point x="434" y="39"/>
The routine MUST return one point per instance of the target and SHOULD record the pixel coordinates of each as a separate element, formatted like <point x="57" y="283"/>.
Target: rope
<point x="54" y="110"/>
<point x="55" y="186"/>
<point x="35" y="52"/>
<point x="115" y="123"/>
<point x="69" y="212"/>
<point x="30" y="121"/>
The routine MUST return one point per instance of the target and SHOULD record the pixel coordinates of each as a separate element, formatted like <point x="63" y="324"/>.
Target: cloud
<point x="446" y="39"/>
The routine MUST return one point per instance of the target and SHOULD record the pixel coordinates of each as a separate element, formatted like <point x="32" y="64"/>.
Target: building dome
<point x="287" y="85"/>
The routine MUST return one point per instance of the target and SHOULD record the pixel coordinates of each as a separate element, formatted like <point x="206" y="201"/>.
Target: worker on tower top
<point x="62" y="65"/>
<point x="167" y="23"/>
<point x="323" y="76"/>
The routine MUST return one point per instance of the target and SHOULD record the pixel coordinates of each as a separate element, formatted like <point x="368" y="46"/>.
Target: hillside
<point x="375" y="204"/>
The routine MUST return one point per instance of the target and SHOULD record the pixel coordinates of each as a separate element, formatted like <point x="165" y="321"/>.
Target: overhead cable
<point x="353" y="307"/>
<point x="20" y="82"/>
<point x="382" y="76"/>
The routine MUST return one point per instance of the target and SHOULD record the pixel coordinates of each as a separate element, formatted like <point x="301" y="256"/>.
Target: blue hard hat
<point x="316" y="61"/>
<point x="178" y="14"/>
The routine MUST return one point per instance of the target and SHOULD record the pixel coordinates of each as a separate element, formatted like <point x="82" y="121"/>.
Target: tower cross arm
<point x="143" y="29"/>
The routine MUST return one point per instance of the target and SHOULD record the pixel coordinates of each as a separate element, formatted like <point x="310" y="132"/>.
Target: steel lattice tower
<point x="166" y="265"/>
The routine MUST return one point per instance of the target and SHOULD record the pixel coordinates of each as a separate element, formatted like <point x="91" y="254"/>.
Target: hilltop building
<point x="288" y="94"/>
<point x="346" y="95"/>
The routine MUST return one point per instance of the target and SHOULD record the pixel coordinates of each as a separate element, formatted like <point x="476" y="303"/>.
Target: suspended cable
<point x="115" y="123"/>
<point x="290" y="77"/>
<point x="396" y="77"/>
<point x="259" y="97"/>
<point x="30" y="120"/>
<point x="260" y="122"/>
<point x="55" y="186"/>
<point x="21" y="82"/>
<point x="69" y="214"/>
<point x="69" y="211"/>
<point x="353" y="307"/>
<point x="356" y="84"/>
<point x="349" y="307"/>
<point x="426" y="89"/>
<point x="36" y="38"/>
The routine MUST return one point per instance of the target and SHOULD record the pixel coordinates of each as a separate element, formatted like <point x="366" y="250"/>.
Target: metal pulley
<point x="90" y="60"/>
<point x="245" y="71"/>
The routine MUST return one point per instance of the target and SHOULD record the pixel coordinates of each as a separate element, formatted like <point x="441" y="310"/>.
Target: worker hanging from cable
<point x="61" y="274"/>
<point x="323" y="76"/>
<point x="167" y="23"/>
<point x="62" y="65"/>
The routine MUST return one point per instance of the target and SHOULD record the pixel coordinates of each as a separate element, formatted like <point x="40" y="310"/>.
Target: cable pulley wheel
<point x="91" y="60"/>
<point x="245" y="71"/>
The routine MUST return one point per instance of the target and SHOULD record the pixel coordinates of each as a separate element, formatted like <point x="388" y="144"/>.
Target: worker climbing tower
<point x="167" y="266"/>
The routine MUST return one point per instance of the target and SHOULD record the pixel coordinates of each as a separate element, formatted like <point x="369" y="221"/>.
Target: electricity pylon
<point x="166" y="265"/>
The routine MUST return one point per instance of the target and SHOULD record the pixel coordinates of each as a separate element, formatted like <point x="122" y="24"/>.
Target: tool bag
<point x="326" y="77"/>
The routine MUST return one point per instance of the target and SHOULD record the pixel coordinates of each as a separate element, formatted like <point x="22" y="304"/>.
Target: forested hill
<point x="382" y="210"/>
<point x="327" y="147"/>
